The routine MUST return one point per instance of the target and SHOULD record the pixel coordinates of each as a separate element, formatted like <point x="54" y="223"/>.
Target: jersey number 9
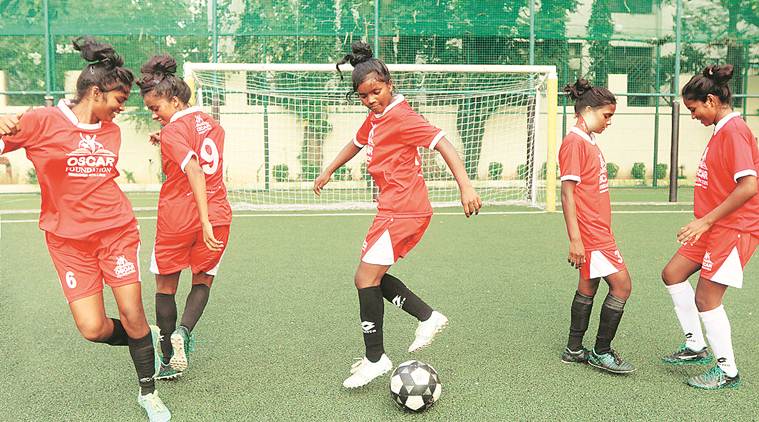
<point x="210" y="154"/>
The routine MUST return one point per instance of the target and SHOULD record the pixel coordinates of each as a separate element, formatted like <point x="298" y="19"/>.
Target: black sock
<point x="611" y="314"/>
<point x="372" y="313"/>
<point x="143" y="357"/>
<point x="166" y="317"/>
<point x="196" y="303"/>
<point x="118" y="336"/>
<point x="581" y="307"/>
<point x="399" y="295"/>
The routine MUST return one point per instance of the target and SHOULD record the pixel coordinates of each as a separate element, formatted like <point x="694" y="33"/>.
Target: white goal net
<point x="286" y="122"/>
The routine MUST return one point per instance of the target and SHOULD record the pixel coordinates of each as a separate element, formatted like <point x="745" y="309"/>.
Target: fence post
<point x="376" y="28"/>
<point x="214" y="32"/>
<point x="675" y="107"/>
<point x="48" y="50"/>
<point x="656" y="112"/>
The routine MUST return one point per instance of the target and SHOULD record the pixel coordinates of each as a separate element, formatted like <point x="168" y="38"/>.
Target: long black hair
<point x="364" y="65"/>
<point x="586" y="95"/>
<point x="713" y="80"/>
<point x="105" y="69"/>
<point x="159" y="77"/>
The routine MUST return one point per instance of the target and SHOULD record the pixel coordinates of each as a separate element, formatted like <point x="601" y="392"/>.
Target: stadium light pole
<point x="675" y="108"/>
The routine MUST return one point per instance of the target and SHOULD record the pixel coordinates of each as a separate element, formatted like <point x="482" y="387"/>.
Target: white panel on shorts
<point x="2" y="146"/>
<point x="215" y="269"/>
<point x="731" y="271"/>
<point x="600" y="266"/>
<point x="381" y="252"/>
<point x="153" y="263"/>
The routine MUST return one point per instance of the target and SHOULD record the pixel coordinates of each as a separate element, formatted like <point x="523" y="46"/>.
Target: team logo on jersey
<point x="707" y="262"/>
<point x="201" y="125"/>
<point x="603" y="178"/>
<point x="123" y="267"/>
<point x="367" y="327"/>
<point x="90" y="158"/>
<point x="702" y="174"/>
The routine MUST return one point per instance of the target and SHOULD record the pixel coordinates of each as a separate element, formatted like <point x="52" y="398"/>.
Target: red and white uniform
<point x="179" y="238"/>
<point x="581" y="161"/>
<point x="392" y="140"/>
<point x="82" y="206"/>
<point x="726" y="248"/>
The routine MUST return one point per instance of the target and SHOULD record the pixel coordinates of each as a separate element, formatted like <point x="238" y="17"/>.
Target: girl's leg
<point x="709" y="301"/>
<point x="166" y="310"/>
<point x="196" y="300"/>
<point x="399" y="295"/>
<point x="675" y="277"/>
<point x="582" y="305"/>
<point x="612" y="309"/>
<point x="92" y="322"/>
<point x="142" y="341"/>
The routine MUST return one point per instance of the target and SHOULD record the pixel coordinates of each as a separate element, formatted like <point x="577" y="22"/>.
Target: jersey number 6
<point x="210" y="154"/>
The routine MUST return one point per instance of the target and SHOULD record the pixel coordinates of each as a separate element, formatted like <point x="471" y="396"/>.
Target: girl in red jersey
<point x="90" y="229"/>
<point x="193" y="212"/>
<point x="721" y="239"/>
<point x="587" y="213"/>
<point x="392" y="134"/>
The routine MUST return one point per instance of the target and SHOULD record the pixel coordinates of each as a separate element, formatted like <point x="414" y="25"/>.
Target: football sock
<point x="143" y="356"/>
<point x="611" y="314"/>
<point x="581" y="307"/>
<point x="196" y="303"/>
<point x="166" y="318"/>
<point x="687" y="313"/>
<point x="399" y="295"/>
<point x="718" y="332"/>
<point x="372" y="311"/>
<point x="118" y="337"/>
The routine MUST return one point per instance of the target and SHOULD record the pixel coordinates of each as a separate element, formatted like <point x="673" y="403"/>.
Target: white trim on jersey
<point x="590" y="138"/>
<point x="357" y="144"/>
<point x="396" y="100"/>
<point x="723" y="121"/>
<point x="600" y="266"/>
<point x="63" y="105"/>
<point x="437" y="139"/>
<point x="2" y="146"/>
<point x="744" y="173"/>
<point x="571" y="177"/>
<point x="187" y="158"/>
<point x="181" y="113"/>
<point x="381" y="252"/>
<point x="730" y="273"/>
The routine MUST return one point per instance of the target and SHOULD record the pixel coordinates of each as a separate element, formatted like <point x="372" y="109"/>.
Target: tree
<point x="600" y="31"/>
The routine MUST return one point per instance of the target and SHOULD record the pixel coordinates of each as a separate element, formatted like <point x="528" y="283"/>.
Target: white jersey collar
<point x="723" y="121"/>
<point x="590" y="138"/>
<point x="63" y="105"/>
<point x="181" y="113"/>
<point x="396" y="100"/>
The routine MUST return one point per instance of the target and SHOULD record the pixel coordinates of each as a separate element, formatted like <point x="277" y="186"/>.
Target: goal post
<point x="286" y="122"/>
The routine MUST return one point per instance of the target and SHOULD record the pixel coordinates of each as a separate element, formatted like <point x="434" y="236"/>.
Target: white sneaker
<point x="153" y="405"/>
<point x="366" y="371"/>
<point x="427" y="330"/>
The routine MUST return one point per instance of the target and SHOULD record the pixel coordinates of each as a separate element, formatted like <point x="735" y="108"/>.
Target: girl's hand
<point x="690" y="233"/>
<point x="320" y="181"/>
<point x="470" y="201"/>
<point x="576" y="254"/>
<point x="211" y="242"/>
<point x="9" y="124"/>
<point x="155" y="138"/>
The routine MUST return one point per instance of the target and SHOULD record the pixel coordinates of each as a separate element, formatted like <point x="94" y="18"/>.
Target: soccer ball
<point x="415" y="386"/>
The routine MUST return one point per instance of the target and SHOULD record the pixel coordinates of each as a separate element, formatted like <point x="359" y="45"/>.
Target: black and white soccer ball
<point x="415" y="386"/>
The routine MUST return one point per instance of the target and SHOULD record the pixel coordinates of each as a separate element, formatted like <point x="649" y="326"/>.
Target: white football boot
<point x="365" y="371"/>
<point x="427" y="330"/>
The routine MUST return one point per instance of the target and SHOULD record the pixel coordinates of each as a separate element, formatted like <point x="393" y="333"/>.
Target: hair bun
<point x="160" y="65"/>
<point x="578" y="88"/>
<point x="720" y="75"/>
<point x="96" y="52"/>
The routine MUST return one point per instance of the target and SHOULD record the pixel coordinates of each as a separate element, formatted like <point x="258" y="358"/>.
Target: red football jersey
<point x="581" y="160"/>
<point x="730" y="154"/>
<point x="392" y="158"/>
<point x="76" y="168"/>
<point x="191" y="133"/>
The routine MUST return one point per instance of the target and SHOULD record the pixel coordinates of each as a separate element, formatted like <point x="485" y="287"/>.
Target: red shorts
<point x="392" y="238"/>
<point x="83" y="264"/>
<point x="175" y="252"/>
<point x="600" y="263"/>
<point x="722" y="253"/>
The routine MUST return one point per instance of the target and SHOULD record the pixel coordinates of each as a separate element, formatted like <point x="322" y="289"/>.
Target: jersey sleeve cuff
<point x="737" y="176"/>
<point x="571" y="177"/>
<point x="187" y="159"/>
<point x="437" y="139"/>
<point x="357" y="144"/>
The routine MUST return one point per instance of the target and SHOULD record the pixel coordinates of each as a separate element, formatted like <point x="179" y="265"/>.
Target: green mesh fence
<point x="628" y="45"/>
